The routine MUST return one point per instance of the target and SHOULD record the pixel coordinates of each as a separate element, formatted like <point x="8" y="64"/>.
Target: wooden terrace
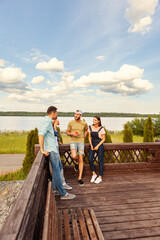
<point x="126" y="203"/>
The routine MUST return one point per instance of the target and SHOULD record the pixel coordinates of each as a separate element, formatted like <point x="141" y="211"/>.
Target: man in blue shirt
<point x="48" y="146"/>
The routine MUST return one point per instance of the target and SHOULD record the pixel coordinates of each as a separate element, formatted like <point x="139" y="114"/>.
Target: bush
<point x="148" y="130"/>
<point x="59" y="135"/>
<point x="32" y="139"/>
<point x="108" y="137"/>
<point x="137" y="126"/>
<point x="21" y="174"/>
<point x="128" y="135"/>
<point x="156" y="126"/>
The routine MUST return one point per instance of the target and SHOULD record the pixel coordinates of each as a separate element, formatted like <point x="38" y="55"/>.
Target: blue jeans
<point x="56" y="167"/>
<point x="100" y="159"/>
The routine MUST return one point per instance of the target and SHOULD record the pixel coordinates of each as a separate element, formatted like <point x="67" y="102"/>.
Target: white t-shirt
<point x="100" y="133"/>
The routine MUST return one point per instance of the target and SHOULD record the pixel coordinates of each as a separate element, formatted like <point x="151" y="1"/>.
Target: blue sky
<point x="96" y="55"/>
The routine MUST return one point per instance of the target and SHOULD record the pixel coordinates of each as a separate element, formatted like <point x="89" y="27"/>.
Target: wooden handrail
<point x="26" y="218"/>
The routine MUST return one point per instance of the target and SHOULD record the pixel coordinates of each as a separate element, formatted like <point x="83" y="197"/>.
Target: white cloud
<point x="127" y="81"/>
<point x="84" y="91"/>
<point x="139" y="14"/>
<point x="11" y="75"/>
<point x="38" y="79"/>
<point x="37" y="95"/>
<point x="52" y="65"/>
<point x="50" y="83"/>
<point x="37" y="55"/>
<point x="100" y="57"/>
<point x="12" y="80"/>
<point x="142" y="26"/>
<point x="2" y="63"/>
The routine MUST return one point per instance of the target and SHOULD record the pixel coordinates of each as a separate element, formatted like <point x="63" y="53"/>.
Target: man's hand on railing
<point x="45" y="153"/>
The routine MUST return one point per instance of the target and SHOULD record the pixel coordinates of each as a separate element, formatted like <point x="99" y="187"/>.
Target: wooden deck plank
<point x="89" y="225"/>
<point x="126" y="206"/>
<point x="60" y="229"/>
<point x="75" y="225"/>
<point x="66" y="225"/>
<point x="82" y="225"/>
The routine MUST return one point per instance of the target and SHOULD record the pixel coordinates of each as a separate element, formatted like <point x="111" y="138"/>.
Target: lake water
<point x="28" y="123"/>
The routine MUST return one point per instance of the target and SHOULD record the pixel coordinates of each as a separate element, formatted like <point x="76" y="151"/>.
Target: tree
<point x="128" y="134"/>
<point x="156" y="126"/>
<point x="137" y="126"/>
<point x="108" y="137"/>
<point x="148" y="130"/>
<point x="32" y="139"/>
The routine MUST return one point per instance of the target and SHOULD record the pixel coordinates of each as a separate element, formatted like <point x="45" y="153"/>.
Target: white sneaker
<point x="68" y="196"/>
<point x="94" y="176"/>
<point x="98" y="180"/>
<point x="66" y="186"/>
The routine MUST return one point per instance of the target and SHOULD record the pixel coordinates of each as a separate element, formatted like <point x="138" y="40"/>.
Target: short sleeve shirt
<point x="46" y="129"/>
<point x="79" y="127"/>
<point x="100" y="133"/>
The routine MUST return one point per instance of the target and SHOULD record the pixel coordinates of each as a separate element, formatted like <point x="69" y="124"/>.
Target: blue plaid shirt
<point x="46" y="129"/>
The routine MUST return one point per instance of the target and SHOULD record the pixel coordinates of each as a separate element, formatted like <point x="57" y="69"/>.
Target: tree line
<point x="70" y="114"/>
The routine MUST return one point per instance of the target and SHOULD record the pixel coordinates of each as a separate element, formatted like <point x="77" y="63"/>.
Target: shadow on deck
<point x="126" y="206"/>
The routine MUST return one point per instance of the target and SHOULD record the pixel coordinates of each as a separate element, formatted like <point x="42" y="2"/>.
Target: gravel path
<point x="9" y="191"/>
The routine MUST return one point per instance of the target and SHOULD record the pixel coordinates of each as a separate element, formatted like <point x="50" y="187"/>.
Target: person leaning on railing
<point x="48" y="146"/>
<point x="96" y="140"/>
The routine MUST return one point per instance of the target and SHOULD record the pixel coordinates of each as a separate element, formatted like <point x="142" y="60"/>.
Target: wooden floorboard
<point x="127" y="206"/>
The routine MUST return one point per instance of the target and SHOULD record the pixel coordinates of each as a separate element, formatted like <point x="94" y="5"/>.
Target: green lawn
<point x="13" y="142"/>
<point x="117" y="137"/>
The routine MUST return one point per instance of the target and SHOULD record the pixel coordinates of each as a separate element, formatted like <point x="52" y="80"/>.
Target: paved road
<point x="10" y="162"/>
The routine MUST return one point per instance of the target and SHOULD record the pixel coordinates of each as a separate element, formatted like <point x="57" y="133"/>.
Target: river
<point x="14" y="123"/>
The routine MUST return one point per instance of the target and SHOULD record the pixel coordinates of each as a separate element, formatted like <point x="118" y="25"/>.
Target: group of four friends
<point x="78" y="131"/>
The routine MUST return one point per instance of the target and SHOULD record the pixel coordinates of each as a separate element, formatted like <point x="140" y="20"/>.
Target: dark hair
<point x="99" y="119"/>
<point x="51" y="109"/>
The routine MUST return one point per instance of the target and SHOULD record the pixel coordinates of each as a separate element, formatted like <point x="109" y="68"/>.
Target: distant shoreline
<point x="70" y="114"/>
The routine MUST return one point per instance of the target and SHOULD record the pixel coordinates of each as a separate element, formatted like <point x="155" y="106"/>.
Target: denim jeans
<point x="61" y="173"/>
<point x="78" y="147"/>
<point x="56" y="167"/>
<point x="100" y="159"/>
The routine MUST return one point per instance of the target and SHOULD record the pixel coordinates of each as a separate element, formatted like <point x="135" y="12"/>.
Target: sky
<point x="93" y="55"/>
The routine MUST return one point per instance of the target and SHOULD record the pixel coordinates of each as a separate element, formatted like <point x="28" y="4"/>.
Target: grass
<point x="117" y="137"/>
<point x="17" y="175"/>
<point x="13" y="142"/>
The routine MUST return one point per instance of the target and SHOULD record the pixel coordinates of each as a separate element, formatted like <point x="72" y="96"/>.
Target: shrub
<point x="21" y="174"/>
<point x="108" y="137"/>
<point x="156" y="126"/>
<point x="148" y="130"/>
<point x="32" y="139"/>
<point x="137" y="126"/>
<point x="59" y="135"/>
<point x="128" y="135"/>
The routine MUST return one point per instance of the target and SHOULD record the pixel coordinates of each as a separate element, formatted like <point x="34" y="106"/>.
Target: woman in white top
<point x="96" y="140"/>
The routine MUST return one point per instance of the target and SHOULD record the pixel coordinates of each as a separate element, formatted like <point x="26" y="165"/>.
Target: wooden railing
<point x="25" y="221"/>
<point x="27" y="215"/>
<point x="118" y="153"/>
<point x="119" y="158"/>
